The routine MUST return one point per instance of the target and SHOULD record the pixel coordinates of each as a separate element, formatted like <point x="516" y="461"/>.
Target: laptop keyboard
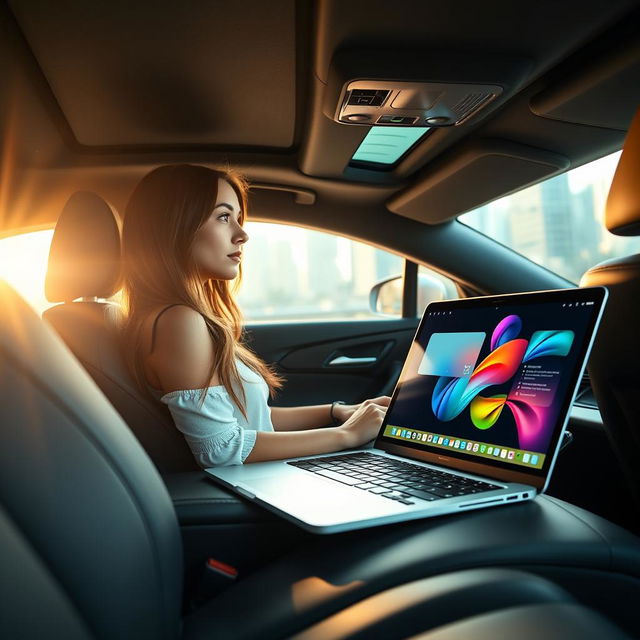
<point x="394" y="479"/>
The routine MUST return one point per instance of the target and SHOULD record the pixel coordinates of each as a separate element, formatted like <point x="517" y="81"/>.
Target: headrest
<point x="623" y="204"/>
<point x="84" y="259"/>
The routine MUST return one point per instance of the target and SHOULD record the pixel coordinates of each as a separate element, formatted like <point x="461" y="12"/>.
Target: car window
<point x="23" y="264"/>
<point x="296" y="274"/>
<point x="290" y="273"/>
<point x="558" y="223"/>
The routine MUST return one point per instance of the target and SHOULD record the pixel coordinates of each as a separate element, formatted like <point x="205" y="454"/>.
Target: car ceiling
<point x="97" y="93"/>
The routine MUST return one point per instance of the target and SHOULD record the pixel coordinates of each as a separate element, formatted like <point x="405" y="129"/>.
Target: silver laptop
<point x="476" y="419"/>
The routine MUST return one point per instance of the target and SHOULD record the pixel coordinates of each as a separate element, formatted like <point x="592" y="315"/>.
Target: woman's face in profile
<point x="217" y="245"/>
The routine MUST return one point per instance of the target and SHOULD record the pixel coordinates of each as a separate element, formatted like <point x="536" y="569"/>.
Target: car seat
<point x="613" y="369"/>
<point x="84" y="269"/>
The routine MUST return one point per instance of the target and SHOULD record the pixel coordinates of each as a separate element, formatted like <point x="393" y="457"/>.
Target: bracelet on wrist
<point x="334" y="420"/>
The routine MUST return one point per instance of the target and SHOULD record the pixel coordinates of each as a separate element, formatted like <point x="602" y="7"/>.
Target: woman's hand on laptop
<point x="364" y="420"/>
<point x="344" y="411"/>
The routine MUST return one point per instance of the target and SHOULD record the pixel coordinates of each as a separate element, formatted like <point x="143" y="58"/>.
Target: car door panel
<point x="325" y="361"/>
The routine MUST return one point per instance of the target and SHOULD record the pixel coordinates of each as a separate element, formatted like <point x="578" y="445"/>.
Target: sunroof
<point x="386" y="145"/>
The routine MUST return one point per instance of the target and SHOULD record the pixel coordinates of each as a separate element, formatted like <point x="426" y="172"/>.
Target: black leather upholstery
<point x="90" y="330"/>
<point x="531" y="622"/>
<point x="84" y="262"/>
<point x="489" y="603"/>
<point x="198" y="501"/>
<point x="613" y="368"/>
<point x="83" y="500"/>
<point x="330" y="573"/>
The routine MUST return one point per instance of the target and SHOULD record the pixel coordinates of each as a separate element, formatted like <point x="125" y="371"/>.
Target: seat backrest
<point x="84" y="262"/>
<point x="89" y="540"/>
<point x="613" y="366"/>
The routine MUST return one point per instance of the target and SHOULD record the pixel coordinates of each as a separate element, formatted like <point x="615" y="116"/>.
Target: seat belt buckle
<point x="217" y="568"/>
<point x="216" y="576"/>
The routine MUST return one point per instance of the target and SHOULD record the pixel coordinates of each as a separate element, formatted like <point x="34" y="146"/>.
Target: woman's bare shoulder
<point x="181" y="319"/>
<point x="182" y="355"/>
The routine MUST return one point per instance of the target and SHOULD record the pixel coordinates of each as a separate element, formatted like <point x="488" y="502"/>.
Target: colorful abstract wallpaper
<point x="499" y="376"/>
<point x="452" y="395"/>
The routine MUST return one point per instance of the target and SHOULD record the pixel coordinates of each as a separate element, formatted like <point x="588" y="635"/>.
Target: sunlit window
<point x="290" y="274"/>
<point x="297" y="274"/>
<point x="558" y="223"/>
<point x="23" y="264"/>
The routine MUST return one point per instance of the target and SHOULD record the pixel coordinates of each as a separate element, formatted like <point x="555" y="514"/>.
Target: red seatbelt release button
<point x="222" y="568"/>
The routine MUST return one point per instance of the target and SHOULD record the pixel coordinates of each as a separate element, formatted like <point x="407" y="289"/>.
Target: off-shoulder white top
<point x="216" y="431"/>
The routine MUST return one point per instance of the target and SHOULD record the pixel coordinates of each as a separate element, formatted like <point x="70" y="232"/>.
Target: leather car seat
<point x="84" y="268"/>
<point x="613" y="366"/>
<point x="90" y="546"/>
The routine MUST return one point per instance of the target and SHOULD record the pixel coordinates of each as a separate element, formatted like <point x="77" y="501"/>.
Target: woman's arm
<point x="360" y="428"/>
<point x="312" y="417"/>
<point x="301" y="418"/>
<point x="276" y="445"/>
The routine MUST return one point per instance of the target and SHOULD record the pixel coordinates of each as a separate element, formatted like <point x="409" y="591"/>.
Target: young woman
<point x="183" y="240"/>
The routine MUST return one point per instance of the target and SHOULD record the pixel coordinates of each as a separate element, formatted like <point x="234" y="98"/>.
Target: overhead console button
<point x="391" y="119"/>
<point x="438" y="121"/>
<point x="357" y="117"/>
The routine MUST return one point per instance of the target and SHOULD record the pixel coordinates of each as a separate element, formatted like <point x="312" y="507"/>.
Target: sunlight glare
<point x="23" y="265"/>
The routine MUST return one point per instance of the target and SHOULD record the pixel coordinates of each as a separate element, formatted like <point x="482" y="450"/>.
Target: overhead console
<point x="412" y="104"/>
<point x="417" y="88"/>
<point x="433" y="96"/>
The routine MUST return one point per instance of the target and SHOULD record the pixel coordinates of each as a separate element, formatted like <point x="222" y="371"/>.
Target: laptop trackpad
<point x="320" y="500"/>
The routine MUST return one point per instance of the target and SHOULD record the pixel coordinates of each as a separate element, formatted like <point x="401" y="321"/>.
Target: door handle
<point x="346" y="360"/>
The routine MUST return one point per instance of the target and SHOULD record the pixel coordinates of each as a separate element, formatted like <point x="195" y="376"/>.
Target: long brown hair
<point x="161" y="219"/>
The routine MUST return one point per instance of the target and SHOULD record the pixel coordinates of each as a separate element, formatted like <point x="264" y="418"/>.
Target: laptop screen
<point x="492" y="379"/>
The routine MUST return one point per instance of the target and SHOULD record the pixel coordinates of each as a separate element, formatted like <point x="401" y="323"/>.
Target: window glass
<point x="23" y="264"/>
<point x="297" y="274"/>
<point x="558" y="223"/>
<point x="290" y="273"/>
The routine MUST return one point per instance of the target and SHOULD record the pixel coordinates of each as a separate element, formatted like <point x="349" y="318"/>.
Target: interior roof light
<point x="386" y="145"/>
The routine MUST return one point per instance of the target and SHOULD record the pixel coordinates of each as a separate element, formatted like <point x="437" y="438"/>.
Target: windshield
<point x="558" y="223"/>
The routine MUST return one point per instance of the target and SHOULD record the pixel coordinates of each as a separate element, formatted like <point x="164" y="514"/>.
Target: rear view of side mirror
<point x="385" y="297"/>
